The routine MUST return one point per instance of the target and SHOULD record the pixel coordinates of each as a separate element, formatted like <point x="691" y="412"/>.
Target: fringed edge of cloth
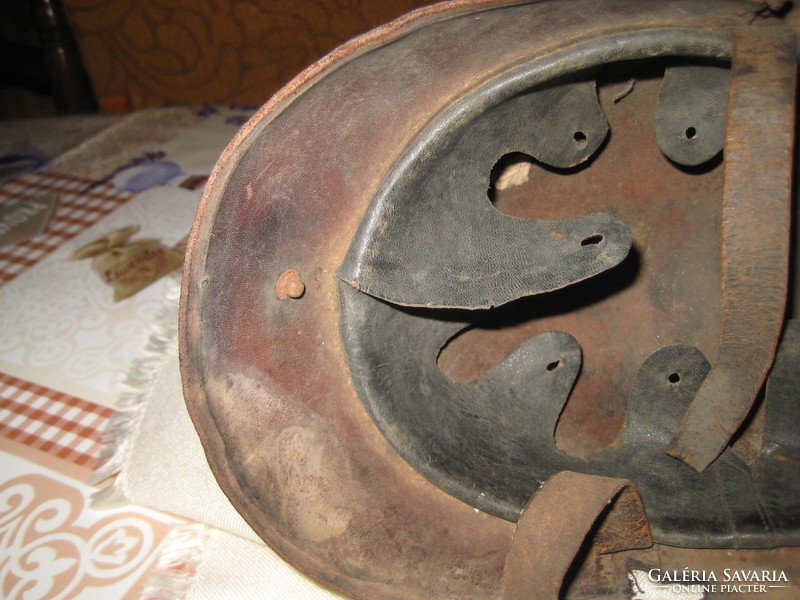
<point x="123" y="427"/>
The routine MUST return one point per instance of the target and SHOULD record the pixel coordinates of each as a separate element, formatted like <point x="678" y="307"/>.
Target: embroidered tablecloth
<point x="66" y="345"/>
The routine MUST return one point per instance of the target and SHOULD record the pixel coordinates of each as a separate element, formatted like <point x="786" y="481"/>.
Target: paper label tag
<point x="129" y="266"/>
<point x="24" y="219"/>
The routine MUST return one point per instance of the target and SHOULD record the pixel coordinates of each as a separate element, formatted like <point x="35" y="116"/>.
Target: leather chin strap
<point x="756" y="211"/>
<point x="557" y="521"/>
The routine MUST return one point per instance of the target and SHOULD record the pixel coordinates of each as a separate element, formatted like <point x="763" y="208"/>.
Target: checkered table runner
<point x="82" y="203"/>
<point x="35" y="415"/>
<point x="56" y="423"/>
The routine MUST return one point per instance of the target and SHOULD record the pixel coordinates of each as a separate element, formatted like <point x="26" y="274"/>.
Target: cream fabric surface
<point x="160" y="464"/>
<point x="234" y="567"/>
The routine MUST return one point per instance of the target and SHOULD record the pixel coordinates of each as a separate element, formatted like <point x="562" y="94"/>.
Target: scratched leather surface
<point x="433" y="238"/>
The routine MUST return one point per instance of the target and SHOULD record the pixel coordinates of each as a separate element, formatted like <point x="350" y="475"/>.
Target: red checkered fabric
<point x="57" y="423"/>
<point x="82" y="203"/>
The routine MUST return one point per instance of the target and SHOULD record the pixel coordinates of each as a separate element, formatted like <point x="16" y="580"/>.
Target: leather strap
<point x="756" y="212"/>
<point x="557" y="520"/>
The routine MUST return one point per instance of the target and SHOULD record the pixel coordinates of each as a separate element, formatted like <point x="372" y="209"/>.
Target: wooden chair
<point x="53" y="67"/>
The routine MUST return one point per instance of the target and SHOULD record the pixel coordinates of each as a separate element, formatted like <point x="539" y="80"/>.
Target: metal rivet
<point x="290" y="285"/>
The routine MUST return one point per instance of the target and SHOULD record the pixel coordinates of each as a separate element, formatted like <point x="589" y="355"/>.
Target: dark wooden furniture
<point x="52" y="64"/>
